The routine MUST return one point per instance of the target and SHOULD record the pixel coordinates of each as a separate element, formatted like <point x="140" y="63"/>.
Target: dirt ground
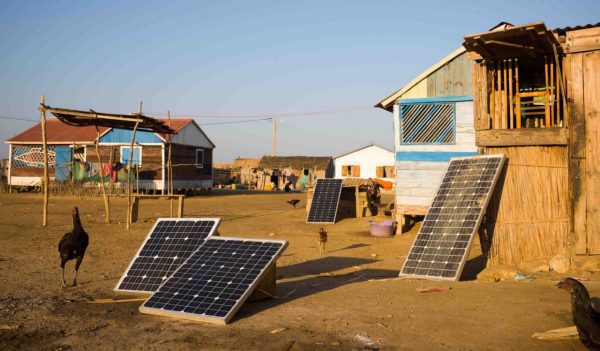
<point x="351" y="298"/>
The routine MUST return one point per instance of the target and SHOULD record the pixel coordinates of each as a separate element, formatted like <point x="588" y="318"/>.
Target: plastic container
<point x="383" y="229"/>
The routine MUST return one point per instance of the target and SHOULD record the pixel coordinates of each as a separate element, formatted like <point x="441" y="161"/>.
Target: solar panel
<point x="326" y="197"/>
<point x="216" y="280"/>
<point x="168" y="244"/>
<point x="444" y="239"/>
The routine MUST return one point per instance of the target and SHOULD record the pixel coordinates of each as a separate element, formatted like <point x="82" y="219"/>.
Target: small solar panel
<point x="216" y="280"/>
<point x="444" y="239"/>
<point x="168" y="244"/>
<point x="325" y="201"/>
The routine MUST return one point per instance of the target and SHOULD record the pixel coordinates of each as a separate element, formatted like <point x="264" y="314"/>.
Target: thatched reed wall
<point x="527" y="218"/>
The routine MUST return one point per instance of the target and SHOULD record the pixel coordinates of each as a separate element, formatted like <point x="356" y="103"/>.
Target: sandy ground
<point x="347" y="299"/>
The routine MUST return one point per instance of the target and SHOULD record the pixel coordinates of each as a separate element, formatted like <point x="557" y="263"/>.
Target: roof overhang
<point x="532" y="39"/>
<point x="388" y="102"/>
<point x="92" y="118"/>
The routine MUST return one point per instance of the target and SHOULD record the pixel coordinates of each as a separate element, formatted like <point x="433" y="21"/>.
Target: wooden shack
<point x="536" y="100"/>
<point x="275" y="171"/>
<point x="72" y="156"/>
<point x="433" y="122"/>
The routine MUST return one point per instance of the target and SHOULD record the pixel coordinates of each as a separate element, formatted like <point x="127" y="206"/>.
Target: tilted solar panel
<point x="168" y="244"/>
<point x="444" y="239"/>
<point x="325" y="201"/>
<point x="216" y="280"/>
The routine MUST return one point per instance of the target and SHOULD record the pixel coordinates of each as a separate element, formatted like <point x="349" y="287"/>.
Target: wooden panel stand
<point x="267" y="288"/>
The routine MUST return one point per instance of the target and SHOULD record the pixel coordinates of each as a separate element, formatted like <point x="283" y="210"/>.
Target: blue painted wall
<point x="124" y="136"/>
<point x="431" y="156"/>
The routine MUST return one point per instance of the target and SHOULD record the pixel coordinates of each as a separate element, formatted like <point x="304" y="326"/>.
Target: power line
<point x="268" y="115"/>
<point x="234" y="122"/>
<point x="18" y="118"/>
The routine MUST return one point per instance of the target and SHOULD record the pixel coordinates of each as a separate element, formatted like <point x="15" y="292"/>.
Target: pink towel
<point x="106" y="169"/>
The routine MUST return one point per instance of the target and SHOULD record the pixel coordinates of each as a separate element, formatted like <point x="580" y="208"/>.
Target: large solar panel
<point x="168" y="244"/>
<point x="216" y="280"/>
<point x="326" y="197"/>
<point x="443" y="242"/>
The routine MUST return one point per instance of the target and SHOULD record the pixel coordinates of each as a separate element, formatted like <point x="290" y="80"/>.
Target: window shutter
<point x="356" y="171"/>
<point x="379" y="172"/>
<point x="344" y="171"/>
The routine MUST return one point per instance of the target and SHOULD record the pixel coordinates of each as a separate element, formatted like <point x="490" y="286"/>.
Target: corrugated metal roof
<point x="569" y="29"/>
<point x="297" y="162"/>
<point x="59" y="132"/>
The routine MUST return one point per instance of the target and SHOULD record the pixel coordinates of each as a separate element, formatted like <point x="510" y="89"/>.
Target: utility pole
<point x="274" y="134"/>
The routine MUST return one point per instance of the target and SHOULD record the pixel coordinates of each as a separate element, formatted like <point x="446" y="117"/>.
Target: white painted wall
<point x="192" y="135"/>
<point x="368" y="158"/>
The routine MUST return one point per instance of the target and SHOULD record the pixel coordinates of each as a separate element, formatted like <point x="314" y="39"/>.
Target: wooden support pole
<point x="274" y="135"/>
<point x="504" y="96"/>
<point x="180" y="207"/>
<point x="557" y="113"/>
<point x="547" y="95"/>
<point x="561" y="81"/>
<point x="517" y="100"/>
<point x="104" y="196"/>
<point x="10" y="160"/>
<point x="552" y="92"/>
<point x="45" y="152"/>
<point x="493" y="97"/>
<point x="129" y="162"/>
<point x="170" y="167"/>
<point x="511" y="102"/>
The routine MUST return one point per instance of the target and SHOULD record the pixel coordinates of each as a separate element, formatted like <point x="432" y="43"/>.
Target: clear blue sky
<point x="243" y="58"/>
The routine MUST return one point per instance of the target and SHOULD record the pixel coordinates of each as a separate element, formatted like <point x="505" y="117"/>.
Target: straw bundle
<point x="528" y="214"/>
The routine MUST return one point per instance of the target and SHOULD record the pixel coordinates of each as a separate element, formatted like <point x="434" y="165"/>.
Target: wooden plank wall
<point x="584" y="155"/>
<point x="452" y="79"/>
<point x="527" y="217"/>
<point x="151" y="168"/>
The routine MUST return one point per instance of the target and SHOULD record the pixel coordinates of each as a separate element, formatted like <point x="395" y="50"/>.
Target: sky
<point x="243" y="61"/>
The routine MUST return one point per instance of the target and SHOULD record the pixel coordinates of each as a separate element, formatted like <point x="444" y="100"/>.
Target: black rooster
<point x="586" y="312"/>
<point x="293" y="202"/>
<point x="72" y="246"/>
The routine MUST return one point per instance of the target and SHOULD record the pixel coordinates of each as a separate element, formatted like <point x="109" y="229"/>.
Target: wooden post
<point x="104" y="196"/>
<point x="170" y="167"/>
<point x="10" y="160"/>
<point x="45" y="151"/>
<point x="493" y="97"/>
<point x="180" y="206"/>
<point x="274" y="135"/>
<point x="552" y="93"/>
<point x="517" y="100"/>
<point x="561" y="81"/>
<point x="129" y="162"/>
<point x="510" y="95"/>
<point x="546" y="96"/>
<point x="504" y="96"/>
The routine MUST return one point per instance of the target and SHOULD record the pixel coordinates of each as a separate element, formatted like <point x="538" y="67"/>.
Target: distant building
<point x="369" y="161"/>
<point x="72" y="155"/>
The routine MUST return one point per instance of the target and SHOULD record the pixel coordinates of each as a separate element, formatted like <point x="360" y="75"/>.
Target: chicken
<point x="321" y="240"/>
<point x="293" y="202"/>
<point x="72" y="246"/>
<point x="586" y="312"/>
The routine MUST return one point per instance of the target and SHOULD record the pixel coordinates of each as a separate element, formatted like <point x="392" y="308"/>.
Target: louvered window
<point x="427" y="123"/>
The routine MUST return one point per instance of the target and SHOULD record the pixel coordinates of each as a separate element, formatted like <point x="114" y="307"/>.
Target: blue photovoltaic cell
<point x="324" y="204"/>
<point x="442" y="244"/>
<point x="213" y="283"/>
<point x="169" y="243"/>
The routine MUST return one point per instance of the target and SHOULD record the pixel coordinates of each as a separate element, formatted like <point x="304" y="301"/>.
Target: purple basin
<point x="383" y="229"/>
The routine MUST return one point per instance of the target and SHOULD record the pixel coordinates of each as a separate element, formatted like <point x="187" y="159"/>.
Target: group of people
<point x="290" y="180"/>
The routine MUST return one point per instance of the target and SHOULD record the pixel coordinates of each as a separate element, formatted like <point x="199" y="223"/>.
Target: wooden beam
<point x="91" y="115"/>
<point x="510" y="95"/>
<point x="131" y="153"/>
<point x="513" y="45"/>
<point x="522" y="137"/>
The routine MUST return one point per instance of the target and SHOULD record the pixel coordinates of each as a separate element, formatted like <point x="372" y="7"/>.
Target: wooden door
<point x="583" y="70"/>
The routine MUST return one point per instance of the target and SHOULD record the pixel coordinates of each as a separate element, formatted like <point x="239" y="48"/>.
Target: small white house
<point x="370" y="161"/>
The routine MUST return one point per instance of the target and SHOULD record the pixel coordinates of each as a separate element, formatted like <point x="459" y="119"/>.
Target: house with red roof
<point x="72" y="156"/>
